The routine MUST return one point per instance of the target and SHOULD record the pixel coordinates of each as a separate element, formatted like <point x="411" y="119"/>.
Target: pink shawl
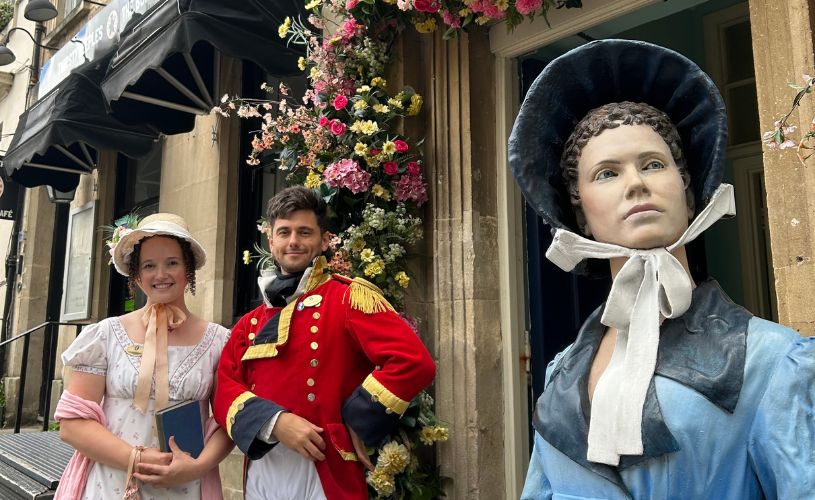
<point x="72" y="484"/>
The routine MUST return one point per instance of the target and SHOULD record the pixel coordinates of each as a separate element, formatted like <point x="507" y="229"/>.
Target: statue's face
<point x="631" y="191"/>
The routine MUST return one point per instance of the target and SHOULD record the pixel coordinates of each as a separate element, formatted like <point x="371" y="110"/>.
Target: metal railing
<point x="52" y="336"/>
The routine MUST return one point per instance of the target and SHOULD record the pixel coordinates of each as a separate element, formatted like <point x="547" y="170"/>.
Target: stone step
<point x="31" y="464"/>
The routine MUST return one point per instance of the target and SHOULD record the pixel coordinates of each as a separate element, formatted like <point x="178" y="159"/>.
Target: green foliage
<point x="6" y="13"/>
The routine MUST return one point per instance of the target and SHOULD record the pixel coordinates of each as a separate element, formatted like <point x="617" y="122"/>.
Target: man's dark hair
<point x="296" y="198"/>
<point x="610" y="116"/>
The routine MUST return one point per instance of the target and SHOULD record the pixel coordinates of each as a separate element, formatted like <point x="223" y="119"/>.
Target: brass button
<point x="314" y="346"/>
<point x="310" y="382"/>
<point x="314" y="329"/>
<point x="253" y="321"/>
<point x="374" y="398"/>
<point x="313" y="363"/>
<point x="311" y="397"/>
<point x="252" y="336"/>
<point x="232" y="420"/>
<point x="388" y="411"/>
<point x="240" y="406"/>
<point x="316" y="315"/>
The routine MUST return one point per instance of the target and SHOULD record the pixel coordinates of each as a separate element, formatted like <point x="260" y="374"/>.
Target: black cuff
<point x="249" y="421"/>
<point x="369" y="419"/>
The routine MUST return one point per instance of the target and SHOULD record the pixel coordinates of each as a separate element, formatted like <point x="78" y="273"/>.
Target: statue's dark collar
<point x="704" y="350"/>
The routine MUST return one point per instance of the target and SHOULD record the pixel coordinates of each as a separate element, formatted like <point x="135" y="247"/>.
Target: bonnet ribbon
<point x="156" y="318"/>
<point x="650" y="286"/>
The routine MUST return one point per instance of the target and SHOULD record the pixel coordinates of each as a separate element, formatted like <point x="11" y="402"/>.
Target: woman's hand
<point x="181" y="469"/>
<point x="155" y="456"/>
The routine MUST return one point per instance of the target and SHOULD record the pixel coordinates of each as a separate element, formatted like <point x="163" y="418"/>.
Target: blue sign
<point x="96" y="37"/>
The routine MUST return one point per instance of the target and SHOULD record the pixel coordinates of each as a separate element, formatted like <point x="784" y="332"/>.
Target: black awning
<point x="60" y="136"/>
<point x="166" y="69"/>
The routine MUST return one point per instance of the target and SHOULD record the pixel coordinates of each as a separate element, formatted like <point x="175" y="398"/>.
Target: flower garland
<point x="339" y="139"/>
<point x="779" y="136"/>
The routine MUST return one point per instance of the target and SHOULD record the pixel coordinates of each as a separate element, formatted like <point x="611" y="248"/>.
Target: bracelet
<point x="131" y="487"/>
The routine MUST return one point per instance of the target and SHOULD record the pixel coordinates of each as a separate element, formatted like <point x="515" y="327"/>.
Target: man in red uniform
<point x="322" y="367"/>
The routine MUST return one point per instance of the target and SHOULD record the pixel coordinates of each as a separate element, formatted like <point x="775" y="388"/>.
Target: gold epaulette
<point x="365" y="296"/>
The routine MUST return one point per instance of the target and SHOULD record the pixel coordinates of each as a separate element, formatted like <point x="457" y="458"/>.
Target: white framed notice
<point x="77" y="282"/>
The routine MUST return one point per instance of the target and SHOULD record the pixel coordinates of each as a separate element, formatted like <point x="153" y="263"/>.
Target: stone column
<point x="461" y="265"/>
<point x="783" y="51"/>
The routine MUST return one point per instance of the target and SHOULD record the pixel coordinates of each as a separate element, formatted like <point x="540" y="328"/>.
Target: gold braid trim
<point x="318" y="277"/>
<point x="381" y="394"/>
<point x="234" y="408"/>
<point x="367" y="297"/>
<point x="347" y="455"/>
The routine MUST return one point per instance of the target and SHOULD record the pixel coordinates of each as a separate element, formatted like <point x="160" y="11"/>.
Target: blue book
<point x="182" y="421"/>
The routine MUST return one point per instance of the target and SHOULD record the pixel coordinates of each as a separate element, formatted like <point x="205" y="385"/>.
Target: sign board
<point x="96" y="37"/>
<point x="9" y="193"/>
<point x="76" y="286"/>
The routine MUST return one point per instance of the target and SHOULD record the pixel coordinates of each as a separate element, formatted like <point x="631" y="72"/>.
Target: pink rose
<point x="373" y="152"/>
<point x="430" y="6"/>
<point x="526" y="7"/>
<point x="401" y="146"/>
<point x="337" y="127"/>
<point x="323" y="121"/>
<point x="340" y="101"/>
<point x="414" y="168"/>
<point x="350" y="4"/>
<point x="391" y="168"/>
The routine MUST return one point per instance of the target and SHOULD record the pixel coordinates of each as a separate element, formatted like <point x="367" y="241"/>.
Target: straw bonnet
<point x="603" y="72"/>
<point x="154" y="225"/>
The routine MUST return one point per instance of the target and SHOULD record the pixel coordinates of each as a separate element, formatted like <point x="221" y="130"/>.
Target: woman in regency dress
<point x="670" y="389"/>
<point x="137" y="363"/>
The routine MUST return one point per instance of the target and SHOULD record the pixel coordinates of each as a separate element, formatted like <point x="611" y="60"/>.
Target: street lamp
<point x="40" y="11"/>
<point x="8" y="57"/>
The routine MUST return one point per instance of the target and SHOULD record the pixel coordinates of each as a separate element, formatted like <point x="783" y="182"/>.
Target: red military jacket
<point x="341" y="355"/>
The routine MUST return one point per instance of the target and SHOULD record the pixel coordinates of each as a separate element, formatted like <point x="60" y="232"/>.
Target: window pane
<point x="739" y="50"/>
<point x="742" y="109"/>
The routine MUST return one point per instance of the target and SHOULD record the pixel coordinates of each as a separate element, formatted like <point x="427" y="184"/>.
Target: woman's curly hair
<point x="186" y="253"/>
<point x="611" y="116"/>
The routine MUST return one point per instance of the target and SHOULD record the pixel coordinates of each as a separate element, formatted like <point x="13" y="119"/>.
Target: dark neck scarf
<point x="282" y="287"/>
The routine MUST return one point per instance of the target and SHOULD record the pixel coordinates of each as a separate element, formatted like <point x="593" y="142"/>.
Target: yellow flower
<point x="381" y="192"/>
<point x="367" y="255"/>
<point x="358" y="245"/>
<point x="393" y="458"/>
<point x="301" y="63"/>
<point x="381" y="108"/>
<point x="363" y="89"/>
<point x="441" y="433"/>
<point x="388" y="147"/>
<point x="313" y="73"/>
<point x="426" y="26"/>
<point x="360" y="104"/>
<point x="313" y="3"/>
<point x="378" y="81"/>
<point x="375" y="268"/>
<point x="313" y="180"/>
<point x="482" y="20"/>
<point x="427" y="435"/>
<point x="382" y="482"/>
<point x="395" y="103"/>
<point x="284" y="28"/>
<point x="360" y="149"/>
<point x="247" y="258"/>
<point x="502" y="4"/>
<point x="464" y="12"/>
<point x="403" y="279"/>
<point x="415" y="105"/>
<point x="366" y="127"/>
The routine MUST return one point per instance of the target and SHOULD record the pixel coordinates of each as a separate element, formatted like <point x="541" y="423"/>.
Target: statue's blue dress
<point x="730" y="413"/>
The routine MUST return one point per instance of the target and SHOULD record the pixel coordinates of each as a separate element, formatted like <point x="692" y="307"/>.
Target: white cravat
<point x="650" y="286"/>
